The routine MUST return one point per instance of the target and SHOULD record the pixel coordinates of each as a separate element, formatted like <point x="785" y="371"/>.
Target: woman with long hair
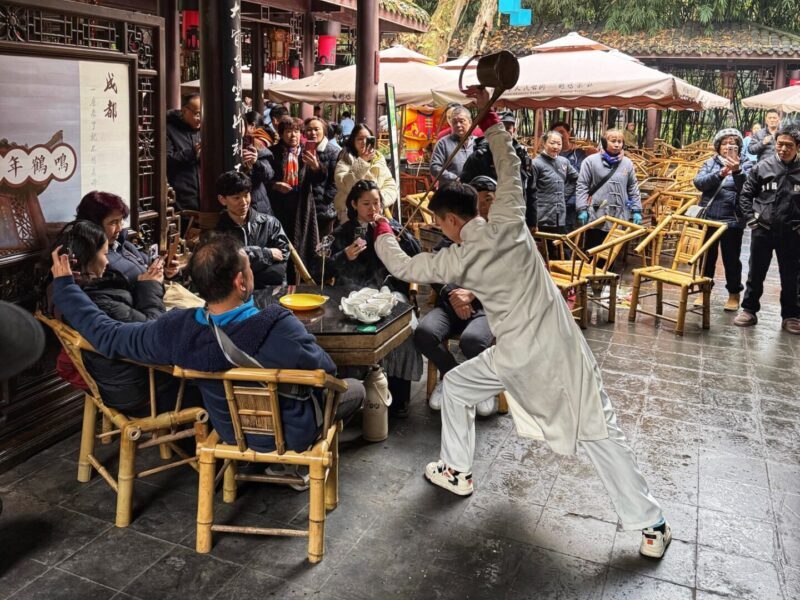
<point x="359" y="160"/>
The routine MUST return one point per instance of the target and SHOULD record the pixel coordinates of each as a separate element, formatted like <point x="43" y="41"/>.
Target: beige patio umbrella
<point x="784" y="99"/>
<point x="247" y="82"/>
<point x="412" y="74"/>
<point x="458" y="63"/>
<point x="590" y="78"/>
<point x="569" y="43"/>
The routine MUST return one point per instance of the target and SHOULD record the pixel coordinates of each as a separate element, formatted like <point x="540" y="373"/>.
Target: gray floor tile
<point x="737" y="576"/>
<point x="60" y="585"/>
<point x="182" y="573"/>
<point x="548" y="575"/>
<point x="623" y="585"/>
<point x="736" y="498"/>
<point x="569" y="534"/>
<point x="501" y="516"/>
<point x="116" y="558"/>
<point x="743" y="536"/>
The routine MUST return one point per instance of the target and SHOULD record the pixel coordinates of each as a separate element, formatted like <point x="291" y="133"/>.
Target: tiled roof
<point x="407" y="9"/>
<point x="734" y="40"/>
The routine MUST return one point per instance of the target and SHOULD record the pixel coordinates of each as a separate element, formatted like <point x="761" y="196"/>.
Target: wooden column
<point x="367" y="43"/>
<point x="652" y="128"/>
<point x="257" y="66"/>
<point x="307" y="56"/>
<point x="172" y="34"/>
<point x="221" y="98"/>
<point x="780" y="74"/>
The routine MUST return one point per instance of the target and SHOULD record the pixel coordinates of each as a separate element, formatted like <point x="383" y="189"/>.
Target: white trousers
<point x="476" y="380"/>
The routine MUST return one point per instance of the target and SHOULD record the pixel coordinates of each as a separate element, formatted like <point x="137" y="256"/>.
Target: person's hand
<point x="277" y="254"/>
<point x="767" y="139"/>
<point x="155" y="272"/>
<point x="61" y="266"/>
<point x="282" y="186"/>
<point x="583" y="217"/>
<point x="311" y="160"/>
<point x="479" y="94"/>
<point x="637" y="218"/>
<point x="368" y="155"/>
<point x="381" y="226"/>
<point x="461" y="301"/>
<point x="732" y="163"/>
<point x="356" y="248"/>
<point x="249" y="157"/>
<point x="197" y="148"/>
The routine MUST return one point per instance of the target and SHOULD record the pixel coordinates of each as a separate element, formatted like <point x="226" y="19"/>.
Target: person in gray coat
<point x="554" y="182"/>
<point x="763" y="142"/>
<point x="460" y="121"/>
<point x="607" y="186"/>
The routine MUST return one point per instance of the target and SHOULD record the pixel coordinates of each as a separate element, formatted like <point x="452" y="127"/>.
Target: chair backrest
<point x="73" y="343"/>
<point x="692" y="236"/>
<point x="255" y="409"/>
<point x="695" y="237"/>
<point x="300" y="266"/>
<point x="620" y="233"/>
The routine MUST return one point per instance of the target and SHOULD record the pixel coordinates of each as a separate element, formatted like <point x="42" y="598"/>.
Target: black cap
<point x="484" y="183"/>
<point x="506" y="116"/>
<point x="21" y="340"/>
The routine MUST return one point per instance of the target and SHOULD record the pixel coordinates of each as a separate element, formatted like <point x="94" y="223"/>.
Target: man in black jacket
<point x="480" y="162"/>
<point x="183" y="152"/>
<point x="262" y="236"/>
<point x="770" y="203"/>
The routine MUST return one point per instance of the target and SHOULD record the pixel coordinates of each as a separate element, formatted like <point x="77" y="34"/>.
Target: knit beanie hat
<point x="723" y="133"/>
<point x="483" y="183"/>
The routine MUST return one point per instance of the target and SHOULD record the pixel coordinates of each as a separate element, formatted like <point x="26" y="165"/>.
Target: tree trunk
<point x="436" y="40"/>
<point x="483" y="25"/>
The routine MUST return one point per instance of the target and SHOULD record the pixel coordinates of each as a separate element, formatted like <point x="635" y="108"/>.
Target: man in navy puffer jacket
<point x="273" y="336"/>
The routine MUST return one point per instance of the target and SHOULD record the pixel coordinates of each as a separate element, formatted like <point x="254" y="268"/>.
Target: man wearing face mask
<point x="771" y="206"/>
<point x="273" y="336"/>
<point x="460" y="121"/>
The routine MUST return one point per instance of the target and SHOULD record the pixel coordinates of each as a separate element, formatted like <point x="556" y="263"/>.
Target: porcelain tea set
<point x="368" y="305"/>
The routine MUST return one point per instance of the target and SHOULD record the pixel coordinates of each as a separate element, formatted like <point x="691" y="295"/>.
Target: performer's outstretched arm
<point x="446" y="266"/>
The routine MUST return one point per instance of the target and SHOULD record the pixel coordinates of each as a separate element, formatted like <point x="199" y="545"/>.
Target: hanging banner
<point x="394" y="143"/>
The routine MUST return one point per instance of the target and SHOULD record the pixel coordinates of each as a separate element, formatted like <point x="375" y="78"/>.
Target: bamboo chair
<point x="597" y="271"/>
<point x="685" y="271"/>
<point x="255" y="409"/>
<point x="569" y="280"/>
<point x="159" y="429"/>
<point x="300" y="266"/>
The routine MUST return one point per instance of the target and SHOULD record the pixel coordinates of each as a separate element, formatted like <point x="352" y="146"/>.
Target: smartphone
<point x="310" y="147"/>
<point x="172" y="250"/>
<point x="248" y="141"/>
<point x="371" y="142"/>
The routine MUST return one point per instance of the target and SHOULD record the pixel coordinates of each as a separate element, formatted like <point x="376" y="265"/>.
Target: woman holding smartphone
<point x="359" y="160"/>
<point x="721" y="179"/>
<point x="296" y="169"/>
<point x="328" y="154"/>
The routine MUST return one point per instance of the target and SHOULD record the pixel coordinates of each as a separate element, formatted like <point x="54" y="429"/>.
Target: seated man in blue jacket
<point x="273" y="336"/>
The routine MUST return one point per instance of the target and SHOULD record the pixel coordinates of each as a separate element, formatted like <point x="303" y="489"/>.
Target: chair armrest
<point x="658" y="228"/>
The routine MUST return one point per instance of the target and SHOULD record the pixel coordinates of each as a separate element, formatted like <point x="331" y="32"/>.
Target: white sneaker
<point x="440" y="474"/>
<point x="435" y="401"/>
<point x="655" y="542"/>
<point x="281" y="470"/>
<point x="487" y="407"/>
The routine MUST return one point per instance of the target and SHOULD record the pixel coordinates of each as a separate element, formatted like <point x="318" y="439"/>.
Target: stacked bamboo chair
<point x="135" y="434"/>
<point x="571" y="279"/>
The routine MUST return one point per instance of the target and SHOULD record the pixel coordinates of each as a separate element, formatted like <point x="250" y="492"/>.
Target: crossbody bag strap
<point x="239" y="358"/>
<point x="603" y="181"/>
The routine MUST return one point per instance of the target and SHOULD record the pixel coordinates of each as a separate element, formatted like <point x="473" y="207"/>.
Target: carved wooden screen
<point x="37" y="407"/>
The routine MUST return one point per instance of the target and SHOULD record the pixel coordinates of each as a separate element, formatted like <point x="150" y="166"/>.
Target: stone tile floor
<point x="713" y="418"/>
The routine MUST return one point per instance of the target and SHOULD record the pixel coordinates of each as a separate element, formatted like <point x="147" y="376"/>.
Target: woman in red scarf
<point x="296" y="171"/>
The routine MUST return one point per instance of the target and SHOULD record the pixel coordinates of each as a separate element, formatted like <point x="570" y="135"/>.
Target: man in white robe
<point x="552" y="381"/>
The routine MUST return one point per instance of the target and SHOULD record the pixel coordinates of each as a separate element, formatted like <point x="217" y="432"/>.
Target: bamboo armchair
<point x="601" y="258"/>
<point x="159" y="429"/>
<point x="570" y="280"/>
<point x="255" y="409"/>
<point x="685" y="271"/>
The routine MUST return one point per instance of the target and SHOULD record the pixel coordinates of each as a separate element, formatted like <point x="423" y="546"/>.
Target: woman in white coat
<point x="360" y="160"/>
<point x="536" y="335"/>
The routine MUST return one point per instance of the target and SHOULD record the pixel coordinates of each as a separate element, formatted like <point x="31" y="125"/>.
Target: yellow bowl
<point x="301" y="302"/>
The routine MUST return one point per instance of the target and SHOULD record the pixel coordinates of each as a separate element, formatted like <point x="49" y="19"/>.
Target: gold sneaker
<point x="732" y="305"/>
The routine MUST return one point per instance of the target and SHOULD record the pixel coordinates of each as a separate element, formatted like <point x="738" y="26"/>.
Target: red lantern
<point x="190" y="29"/>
